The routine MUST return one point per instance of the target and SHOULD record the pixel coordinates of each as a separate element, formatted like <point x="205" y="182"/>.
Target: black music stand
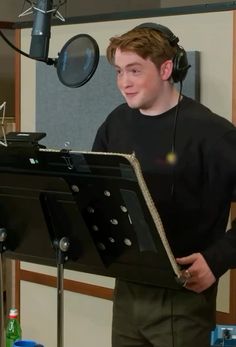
<point x="92" y="209"/>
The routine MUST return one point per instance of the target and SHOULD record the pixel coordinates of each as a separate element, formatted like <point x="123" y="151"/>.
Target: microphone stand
<point x="3" y="236"/>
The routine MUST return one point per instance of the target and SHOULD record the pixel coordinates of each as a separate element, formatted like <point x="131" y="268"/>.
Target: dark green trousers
<point x="149" y="316"/>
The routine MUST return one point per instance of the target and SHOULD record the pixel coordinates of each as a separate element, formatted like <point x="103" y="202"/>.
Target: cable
<point x="50" y="61"/>
<point x="176" y="119"/>
<point x="172" y="320"/>
<point x="173" y="144"/>
<point x="12" y="46"/>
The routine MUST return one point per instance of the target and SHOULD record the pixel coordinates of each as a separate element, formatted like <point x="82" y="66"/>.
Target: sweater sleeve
<point x="221" y="255"/>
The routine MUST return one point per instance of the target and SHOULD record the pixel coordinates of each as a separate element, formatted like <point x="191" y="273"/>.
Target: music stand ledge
<point x="87" y="211"/>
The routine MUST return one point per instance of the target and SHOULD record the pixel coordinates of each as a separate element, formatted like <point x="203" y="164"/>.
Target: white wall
<point x="86" y="319"/>
<point x="209" y="33"/>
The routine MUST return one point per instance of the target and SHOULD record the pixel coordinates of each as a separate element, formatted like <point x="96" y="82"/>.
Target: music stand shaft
<point x="60" y="305"/>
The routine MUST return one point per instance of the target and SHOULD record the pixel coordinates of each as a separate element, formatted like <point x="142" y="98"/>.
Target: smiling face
<point x="141" y="83"/>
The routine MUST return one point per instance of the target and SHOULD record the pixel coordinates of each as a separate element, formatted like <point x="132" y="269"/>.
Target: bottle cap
<point x="13" y="313"/>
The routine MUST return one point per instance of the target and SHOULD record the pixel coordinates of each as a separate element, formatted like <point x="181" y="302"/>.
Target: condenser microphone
<point x="41" y="31"/>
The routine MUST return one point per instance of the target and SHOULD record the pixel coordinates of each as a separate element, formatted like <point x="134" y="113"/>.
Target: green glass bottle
<point x="13" y="329"/>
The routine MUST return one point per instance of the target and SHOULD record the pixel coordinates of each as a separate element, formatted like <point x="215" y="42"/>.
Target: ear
<point x="166" y="69"/>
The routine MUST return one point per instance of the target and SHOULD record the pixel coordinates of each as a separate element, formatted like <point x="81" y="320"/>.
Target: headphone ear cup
<point x="180" y="61"/>
<point x="180" y="66"/>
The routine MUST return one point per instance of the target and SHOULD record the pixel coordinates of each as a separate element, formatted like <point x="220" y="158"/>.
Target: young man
<point x="187" y="155"/>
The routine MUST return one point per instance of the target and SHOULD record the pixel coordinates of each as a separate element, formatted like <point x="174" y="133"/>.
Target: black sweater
<point x="193" y="196"/>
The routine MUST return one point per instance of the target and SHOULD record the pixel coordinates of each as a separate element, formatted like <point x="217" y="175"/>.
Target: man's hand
<point x="198" y="274"/>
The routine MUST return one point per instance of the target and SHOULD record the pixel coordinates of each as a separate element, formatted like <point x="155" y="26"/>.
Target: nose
<point x="124" y="80"/>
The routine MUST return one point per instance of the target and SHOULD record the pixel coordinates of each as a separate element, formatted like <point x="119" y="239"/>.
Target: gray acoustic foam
<point x="71" y="116"/>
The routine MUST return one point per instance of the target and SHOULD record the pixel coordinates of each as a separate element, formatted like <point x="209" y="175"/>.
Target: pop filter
<point x="77" y="60"/>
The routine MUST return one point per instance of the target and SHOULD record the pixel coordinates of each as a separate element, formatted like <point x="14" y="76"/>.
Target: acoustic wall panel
<point x="71" y="117"/>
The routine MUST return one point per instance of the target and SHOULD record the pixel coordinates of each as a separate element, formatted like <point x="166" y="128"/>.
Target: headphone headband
<point x="163" y="29"/>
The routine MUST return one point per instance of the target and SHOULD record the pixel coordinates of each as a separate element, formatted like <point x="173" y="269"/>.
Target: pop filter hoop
<point x="77" y="61"/>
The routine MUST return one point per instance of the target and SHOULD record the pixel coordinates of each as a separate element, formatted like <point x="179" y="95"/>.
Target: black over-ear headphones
<point x="180" y="60"/>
